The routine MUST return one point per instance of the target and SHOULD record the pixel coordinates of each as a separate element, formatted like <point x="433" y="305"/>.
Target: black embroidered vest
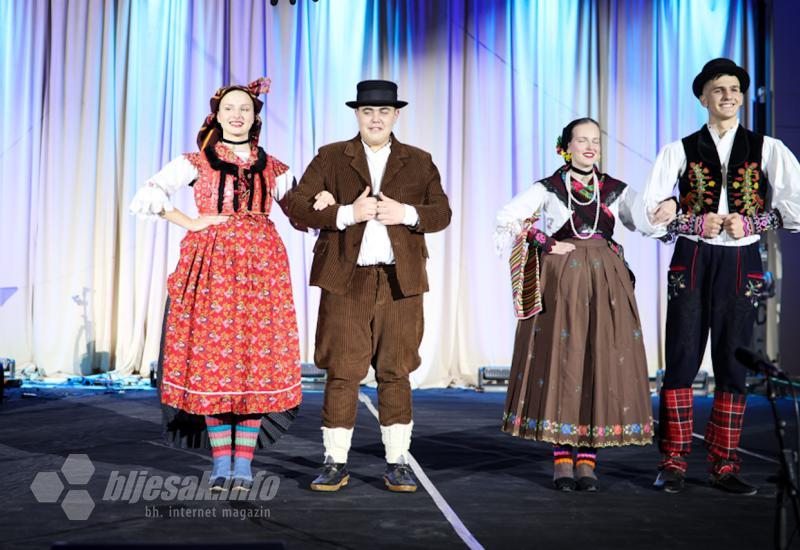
<point x="701" y="184"/>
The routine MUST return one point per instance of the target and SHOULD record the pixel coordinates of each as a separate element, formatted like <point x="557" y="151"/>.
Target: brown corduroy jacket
<point x="341" y="168"/>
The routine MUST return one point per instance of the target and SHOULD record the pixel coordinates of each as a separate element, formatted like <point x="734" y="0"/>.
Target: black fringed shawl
<point x="250" y="175"/>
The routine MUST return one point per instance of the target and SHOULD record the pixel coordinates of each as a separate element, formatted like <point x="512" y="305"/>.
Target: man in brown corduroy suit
<point x="369" y="261"/>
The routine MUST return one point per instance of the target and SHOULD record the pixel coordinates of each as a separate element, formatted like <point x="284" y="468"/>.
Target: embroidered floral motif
<point x="586" y="190"/>
<point x="557" y="432"/>
<point x="687" y="224"/>
<point x="745" y="190"/>
<point x="700" y="195"/>
<point x="676" y="281"/>
<point x="752" y="289"/>
<point x="762" y="222"/>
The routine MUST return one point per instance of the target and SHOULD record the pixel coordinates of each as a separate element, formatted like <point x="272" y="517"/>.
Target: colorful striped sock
<point x="246" y="438"/>
<point x="562" y="454"/>
<point x="219" y="434"/>
<point x="562" y="461"/>
<point x="587" y="456"/>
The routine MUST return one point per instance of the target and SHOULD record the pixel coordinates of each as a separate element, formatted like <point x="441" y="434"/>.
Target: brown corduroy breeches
<point x="372" y="324"/>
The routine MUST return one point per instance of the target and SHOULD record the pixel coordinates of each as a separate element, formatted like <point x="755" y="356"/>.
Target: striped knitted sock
<point x="562" y="461"/>
<point x="587" y="460"/>
<point x="219" y="434"/>
<point x="246" y="437"/>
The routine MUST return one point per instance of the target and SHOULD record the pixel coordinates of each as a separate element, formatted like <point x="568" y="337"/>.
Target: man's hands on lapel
<point x="389" y="211"/>
<point x="365" y="207"/>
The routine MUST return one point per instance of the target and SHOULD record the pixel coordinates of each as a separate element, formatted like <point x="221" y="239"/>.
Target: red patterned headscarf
<point x="211" y="131"/>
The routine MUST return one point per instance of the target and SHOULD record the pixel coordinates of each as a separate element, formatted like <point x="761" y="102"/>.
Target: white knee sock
<point x="337" y="443"/>
<point x="397" y="441"/>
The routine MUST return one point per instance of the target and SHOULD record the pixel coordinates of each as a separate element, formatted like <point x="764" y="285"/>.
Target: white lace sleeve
<point x="283" y="184"/>
<point x="152" y="199"/>
<point x="783" y="172"/>
<point x="660" y="185"/>
<point x="510" y="217"/>
<point x="626" y="203"/>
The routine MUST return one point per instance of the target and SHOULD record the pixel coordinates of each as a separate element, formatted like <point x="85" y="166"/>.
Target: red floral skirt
<point x="231" y="343"/>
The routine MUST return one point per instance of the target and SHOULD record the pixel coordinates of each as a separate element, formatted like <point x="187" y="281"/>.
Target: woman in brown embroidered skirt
<point x="578" y="373"/>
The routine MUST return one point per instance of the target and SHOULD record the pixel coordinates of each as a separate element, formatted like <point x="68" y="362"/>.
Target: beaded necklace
<point x="570" y="199"/>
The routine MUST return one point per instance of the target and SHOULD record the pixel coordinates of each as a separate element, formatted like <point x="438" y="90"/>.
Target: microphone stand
<point x="787" y="476"/>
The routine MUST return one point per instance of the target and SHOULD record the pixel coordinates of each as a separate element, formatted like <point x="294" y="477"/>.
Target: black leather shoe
<point x="565" y="484"/>
<point x="670" y="480"/>
<point x="334" y="476"/>
<point x="588" y="484"/>
<point x="399" y="477"/>
<point x="731" y="483"/>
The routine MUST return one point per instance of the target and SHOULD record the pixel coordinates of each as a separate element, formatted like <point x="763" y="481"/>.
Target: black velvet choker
<point x="235" y="142"/>
<point x="588" y="172"/>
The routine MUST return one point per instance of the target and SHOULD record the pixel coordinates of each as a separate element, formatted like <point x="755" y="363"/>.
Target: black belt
<point x="384" y="267"/>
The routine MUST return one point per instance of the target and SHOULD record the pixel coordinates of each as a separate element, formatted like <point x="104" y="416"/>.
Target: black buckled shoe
<point x="399" y="477"/>
<point x="586" y="483"/>
<point x="334" y="476"/>
<point x="565" y="484"/>
<point x="670" y="480"/>
<point x="731" y="483"/>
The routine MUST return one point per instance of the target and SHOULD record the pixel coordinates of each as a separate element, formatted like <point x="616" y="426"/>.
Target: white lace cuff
<point x="150" y="202"/>
<point x="504" y="236"/>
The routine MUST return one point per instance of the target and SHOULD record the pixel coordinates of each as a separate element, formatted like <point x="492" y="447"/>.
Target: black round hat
<point x="377" y="93"/>
<point x="721" y="65"/>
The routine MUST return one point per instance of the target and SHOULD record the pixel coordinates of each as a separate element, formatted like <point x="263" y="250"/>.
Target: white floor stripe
<point x="743" y="451"/>
<point x="449" y="514"/>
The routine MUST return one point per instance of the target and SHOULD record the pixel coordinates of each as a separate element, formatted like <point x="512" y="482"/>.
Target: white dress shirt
<point x="777" y="162"/>
<point x="376" y="248"/>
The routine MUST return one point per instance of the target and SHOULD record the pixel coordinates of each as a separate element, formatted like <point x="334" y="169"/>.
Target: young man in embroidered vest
<point x="725" y="176"/>
<point x="369" y="261"/>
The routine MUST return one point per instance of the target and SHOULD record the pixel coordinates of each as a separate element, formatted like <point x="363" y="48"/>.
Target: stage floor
<point x="499" y="487"/>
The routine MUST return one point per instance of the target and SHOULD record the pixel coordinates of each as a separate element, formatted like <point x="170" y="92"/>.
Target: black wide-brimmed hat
<point x="376" y="93"/>
<point x="718" y="66"/>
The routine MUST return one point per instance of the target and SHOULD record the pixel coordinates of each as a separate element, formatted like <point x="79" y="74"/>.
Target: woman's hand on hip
<point x="561" y="248"/>
<point x="203" y="222"/>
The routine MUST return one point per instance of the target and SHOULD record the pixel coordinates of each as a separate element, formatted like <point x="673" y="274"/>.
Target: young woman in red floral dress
<point x="230" y="356"/>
